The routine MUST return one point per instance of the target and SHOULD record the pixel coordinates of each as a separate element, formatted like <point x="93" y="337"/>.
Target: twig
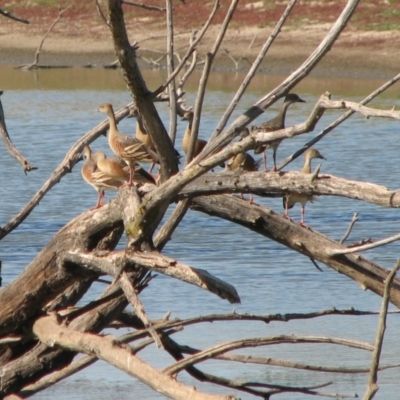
<point x="337" y="122"/>
<point x="170" y="69"/>
<point x="189" y="51"/>
<point x="14" y="17"/>
<point x="26" y="165"/>
<point x="252" y="71"/>
<point x="164" y="234"/>
<point x="204" y="79"/>
<point x="100" y="11"/>
<point x="236" y="62"/>
<point x="253" y="40"/>
<point x="142" y="5"/>
<point x="256" y="342"/>
<point x="353" y="221"/>
<point x="373" y="376"/>
<point x="34" y="64"/>
<point x="133" y="298"/>
<point x="357" y="249"/>
<point x="239" y="123"/>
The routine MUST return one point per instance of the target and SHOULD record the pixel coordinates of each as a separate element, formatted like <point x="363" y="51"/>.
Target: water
<point x="47" y="111"/>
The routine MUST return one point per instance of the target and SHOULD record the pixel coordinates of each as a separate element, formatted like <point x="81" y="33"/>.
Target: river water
<point x="47" y="111"/>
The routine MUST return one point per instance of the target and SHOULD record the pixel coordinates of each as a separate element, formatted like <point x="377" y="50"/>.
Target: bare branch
<point x="170" y="69"/>
<point x="353" y="221"/>
<point x="12" y="16"/>
<point x="337" y="122"/>
<point x="204" y="79"/>
<point x="26" y="165"/>
<point x="373" y="376"/>
<point x="285" y="86"/>
<point x="113" y="263"/>
<point x="293" y="181"/>
<point x="100" y="11"/>
<point x="189" y="51"/>
<point x="366" y="111"/>
<point x="252" y="71"/>
<point x="133" y="298"/>
<point x="369" y="246"/>
<point x="142" y="5"/>
<point x="316" y="245"/>
<point x="36" y="61"/>
<point x="256" y="342"/>
<point x="105" y="348"/>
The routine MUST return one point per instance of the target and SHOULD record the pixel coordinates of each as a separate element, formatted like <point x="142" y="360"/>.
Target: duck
<point x="142" y="134"/>
<point x="116" y="168"/>
<point x="243" y="162"/>
<point x="275" y="124"/>
<point x="130" y="149"/>
<point x="200" y="143"/>
<point x="99" y="180"/>
<point x="291" y="199"/>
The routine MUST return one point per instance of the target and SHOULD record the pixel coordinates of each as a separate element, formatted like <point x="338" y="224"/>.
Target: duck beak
<point x="301" y="100"/>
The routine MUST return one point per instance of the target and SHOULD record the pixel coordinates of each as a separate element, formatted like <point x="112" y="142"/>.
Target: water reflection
<point x="47" y="111"/>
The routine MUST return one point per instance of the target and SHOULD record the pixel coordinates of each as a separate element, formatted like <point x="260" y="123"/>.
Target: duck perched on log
<point x="143" y="135"/>
<point x="104" y="173"/>
<point x="243" y="162"/>
<point x="130" y="149"/>
<point x="291" y="199"/>
<point x="275" y="124"/>
<point x="200" y="143"/>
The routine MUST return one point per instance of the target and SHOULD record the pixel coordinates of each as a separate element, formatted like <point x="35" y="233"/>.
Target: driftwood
<point x="39" y="339"/>
<point x="35" y="63"/>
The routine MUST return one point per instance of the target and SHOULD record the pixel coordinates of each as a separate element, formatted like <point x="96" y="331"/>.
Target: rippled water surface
<point x="47" y="111"/>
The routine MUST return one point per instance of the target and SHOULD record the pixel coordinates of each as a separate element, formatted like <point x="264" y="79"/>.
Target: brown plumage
<point x="200" y="143"/>
<point x="141" y="132"/>
<point x="130" y="149"/>
<point x="96" y="178"/>
<point x="275" y="124"/>
<point x="116" y="168"/>
<point x="143" y="135"/>
<point x="291" y="199"/>
<point x="243" y="162"/>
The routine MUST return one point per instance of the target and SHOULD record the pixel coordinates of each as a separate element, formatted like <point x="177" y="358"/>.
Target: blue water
<point x="44" y="123"/>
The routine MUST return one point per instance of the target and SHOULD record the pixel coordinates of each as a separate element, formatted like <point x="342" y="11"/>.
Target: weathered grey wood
<point x="45" y="278"/>
<point x="305" y="241"/>
<point x="282" y="182"/>
<point x="26" y="368"/>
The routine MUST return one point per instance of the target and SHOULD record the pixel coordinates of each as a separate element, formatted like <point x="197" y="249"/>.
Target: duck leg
<point x="265" y="160"/>
<point x="274" y="156"/>
<point x="99" y="200"/>
<point x="303" y="211"/>
<point x="131" y="175"/>
<point x="286" y="214"/>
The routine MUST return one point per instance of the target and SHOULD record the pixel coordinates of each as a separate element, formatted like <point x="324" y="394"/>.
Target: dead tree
<point x="41" y="329"/>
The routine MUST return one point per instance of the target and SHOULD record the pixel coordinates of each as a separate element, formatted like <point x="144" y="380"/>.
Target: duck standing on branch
<point x="99" y="180"/>
<point x="275" y="124"/>
<point x="143" y="135"/>
<point x="130" y="149"/>
<point x="291" y="199"/>
<point x="243" y="162"/>
<point x="200" y="143"/>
